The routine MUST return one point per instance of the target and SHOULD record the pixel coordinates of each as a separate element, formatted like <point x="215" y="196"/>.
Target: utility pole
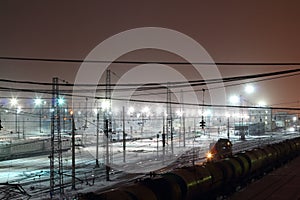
<point x="97" y="139"/>
<point x="1" y="127"/>
<point x="169" y="118"/>
<point x="183" y="124"/>
<point x="163" y="138"/>
<point x="23" y="128"/>
<point x="228" y="128"/>
<point x="16" y="123"/>
<point x="124" y="135"/>
<point x="86" y="113"/>
<point x="40" y="119"/>
<point x="73" y="151"/>
<point x="107" y="121"/>
<point x="64" y="121"/>
<point x="182" y="118"/>
<point x="242" y="128"/>
<point x="163" y="132"/>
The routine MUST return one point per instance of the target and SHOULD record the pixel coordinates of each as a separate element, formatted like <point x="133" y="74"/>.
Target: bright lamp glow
<point x="179" y="113"/>
<point x="19" y="109"/>
<point x="227" y="115"/>
<point x="209" y="155"/>
<point x="262" y="104"/>
<point x="234" y="99"/>
<point x="61" y="101"/>
<point x="249" y="89"/>
<point x="207" y="113"/>
<point x="95" y="110"/>
<point x="146" y="109"/>
<point x="13" y="102"/>
<point x="130" y="110"/>
<point x="105" y="104"/>
<point x="37" y="101"/>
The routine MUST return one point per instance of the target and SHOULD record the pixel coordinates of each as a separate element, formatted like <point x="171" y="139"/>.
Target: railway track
<point x="36" y="182"/>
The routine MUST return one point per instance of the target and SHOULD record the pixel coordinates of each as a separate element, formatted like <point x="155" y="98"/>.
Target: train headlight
<point x="209" y="156"/>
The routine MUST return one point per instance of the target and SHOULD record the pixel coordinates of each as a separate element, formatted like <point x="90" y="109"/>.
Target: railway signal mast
<point x="202" y="122"/>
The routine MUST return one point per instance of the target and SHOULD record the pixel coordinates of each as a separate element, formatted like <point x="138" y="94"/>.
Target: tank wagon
<point x="206" y="181"/>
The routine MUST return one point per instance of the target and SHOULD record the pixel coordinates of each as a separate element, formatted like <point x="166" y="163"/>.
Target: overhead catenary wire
<point x="175" y="103"/>
<point x="60" y="60"/>
<point x="149" y="86"/>
<point x="142" y="89"/>
<point x="119" y="99"/>
<point x="170" y="84"/>
<point x="223" y="86"/>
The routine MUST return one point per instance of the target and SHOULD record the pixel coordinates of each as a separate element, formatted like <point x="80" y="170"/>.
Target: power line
<point x="288" y="103"/>
<point x="145" y="62"/>
<point x="266" y="79"/>
<point x="45" y="91"/>
<point x="179" y="103"/>
<point x="225" y="86"/>
<point x="177" y="84"/>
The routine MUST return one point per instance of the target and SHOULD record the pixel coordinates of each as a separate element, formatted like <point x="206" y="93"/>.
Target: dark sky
<point x="230" y="31"/>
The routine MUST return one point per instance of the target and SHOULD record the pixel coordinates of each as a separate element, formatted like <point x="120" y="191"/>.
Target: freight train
<point x="205" y="181"/>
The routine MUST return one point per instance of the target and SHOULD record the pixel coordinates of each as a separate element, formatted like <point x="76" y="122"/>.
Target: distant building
<point x="284" y="120"/>
<point x="261" y="115"/>
<point x="250" y="128"/>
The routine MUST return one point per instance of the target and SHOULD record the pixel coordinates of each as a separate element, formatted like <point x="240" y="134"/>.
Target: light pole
<point x="106" y="106"/>
<point x="86" y="113"/>
<point x="227" y="115"/>
<point x="1" y="127"/>
<point x="17" y="125"/>
<point x="238" y="100"/>
<point x="262" y="114"/>
<point x="144" y="115"/>
<point x="37" y="103"/>
<point x="97" y="136"/>
<point x="131" y="113"/>
<point x="14" y="103"/>
<point x="179" y="115"/>
<point x="124" y="134"/>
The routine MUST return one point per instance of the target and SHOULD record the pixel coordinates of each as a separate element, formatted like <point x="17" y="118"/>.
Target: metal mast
<point x="169" y="118"/>
<point x="56" y="164"/>
<point x="107" y="120"/>
<point x="182" y="118"/>
<point x="97" y="139"/>
<point x="73" y="150"/>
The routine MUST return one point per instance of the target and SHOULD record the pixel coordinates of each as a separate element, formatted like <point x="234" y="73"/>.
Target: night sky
<point x="230" y="31"/>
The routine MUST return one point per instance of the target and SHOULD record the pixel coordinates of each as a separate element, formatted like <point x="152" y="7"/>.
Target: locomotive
<point x="219" y="150"/>
<point x="206" y="181"/>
